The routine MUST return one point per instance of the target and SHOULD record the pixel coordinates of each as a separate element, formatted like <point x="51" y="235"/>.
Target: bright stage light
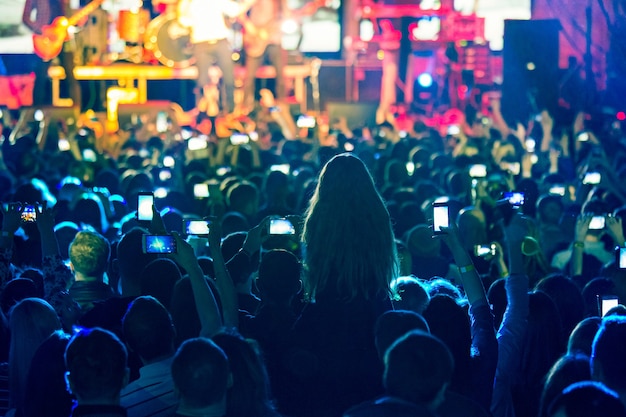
<point x="425" y="80"/>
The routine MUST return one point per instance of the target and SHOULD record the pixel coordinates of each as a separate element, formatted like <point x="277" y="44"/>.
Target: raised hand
<point x="12" y="217"/>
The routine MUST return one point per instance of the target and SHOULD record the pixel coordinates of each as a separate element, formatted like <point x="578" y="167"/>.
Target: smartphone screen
<point x="145" y="201"/>
<point x="607" y="302"/>
<point x="620" y="257"/>
<point x="165" y="174"/>
<point x="281" y="227"/>
<point x="484" y="250"/>
<point x="592" y="178"/>
<point x="201" y="190"/>
<point x="557" y="190"/>
<point x="515" y="198"/>
<point x="64" y="144"/>
<point x="89" y="155"/>
<point x="478" y="171"/>
<point x="596" y="223"/>
<point x="197" y="227"/>
<point x="239" y="139"/>
<point x="28" y="214"/>
<point x="161" y="122"/>
<point x="196" y="144"/>
<point x="441" y="217"/>
<point x="305" y="121"/>
<point x="583" y="136"/>
<point x="159" y="244"/>
<point x="284" y="168"/>
<point x="454" y="130"/>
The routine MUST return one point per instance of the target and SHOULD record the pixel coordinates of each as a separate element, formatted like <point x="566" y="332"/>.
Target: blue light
<point x="425" y="80"/>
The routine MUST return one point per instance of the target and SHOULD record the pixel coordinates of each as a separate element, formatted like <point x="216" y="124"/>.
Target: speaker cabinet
<point x="531" y="64"/>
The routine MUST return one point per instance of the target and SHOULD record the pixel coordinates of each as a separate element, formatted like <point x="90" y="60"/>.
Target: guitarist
<point x="262" y="44"/>
<point x="38" y="14"/>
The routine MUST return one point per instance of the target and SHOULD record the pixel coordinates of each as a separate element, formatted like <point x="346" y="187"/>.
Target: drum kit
<point x="150" y="41"/>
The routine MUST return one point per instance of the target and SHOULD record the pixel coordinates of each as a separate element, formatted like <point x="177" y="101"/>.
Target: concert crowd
<point x="294" y="270"/>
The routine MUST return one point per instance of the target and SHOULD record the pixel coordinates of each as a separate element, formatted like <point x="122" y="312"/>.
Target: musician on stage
<point x="209" y="40"/>
<point x="262" y="44"/>
<point x="38" y="14"/>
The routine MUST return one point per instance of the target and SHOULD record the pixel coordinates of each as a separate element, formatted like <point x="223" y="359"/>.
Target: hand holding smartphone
<point x="441" y="217"/>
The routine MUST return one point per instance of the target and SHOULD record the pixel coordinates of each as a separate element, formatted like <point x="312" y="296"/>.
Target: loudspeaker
<point x="531" y="65"/>
<point x="356" y="114"/>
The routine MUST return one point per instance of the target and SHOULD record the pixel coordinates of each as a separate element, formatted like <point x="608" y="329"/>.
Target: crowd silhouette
<point x="315" y="284"/>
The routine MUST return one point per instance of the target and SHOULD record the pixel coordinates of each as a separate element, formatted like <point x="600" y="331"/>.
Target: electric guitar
<point x="49" y="44"/>
<point x="256" y="38"/>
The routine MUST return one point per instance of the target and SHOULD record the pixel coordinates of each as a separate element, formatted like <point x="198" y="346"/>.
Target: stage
<point x="135" y="77"/>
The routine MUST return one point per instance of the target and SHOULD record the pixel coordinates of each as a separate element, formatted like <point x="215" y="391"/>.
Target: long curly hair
<point x="349" y="244"/>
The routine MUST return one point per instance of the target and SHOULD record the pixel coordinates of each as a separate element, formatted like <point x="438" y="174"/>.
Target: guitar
<point x="49" y="44"/>
<point x="256" y="38"/>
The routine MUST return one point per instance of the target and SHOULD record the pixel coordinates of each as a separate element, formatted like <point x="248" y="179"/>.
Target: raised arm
<point x="513" y="329"/>
<point x="210" y="318"/>
<point x="11" y="220"/>
<point x="224" y="283"/>
<point x="484" y="344"/>
<point x="57" y="276"/>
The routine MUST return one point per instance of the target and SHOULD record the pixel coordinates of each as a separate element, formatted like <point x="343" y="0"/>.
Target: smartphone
<point x="169" y="161"/>
<point x="161" y="122"/>
<point x="64" y="144"/>
<point x="29" y="214"/>
<point x="596" y="223"/>
<point x="38" y="116"/>
<point x="557" y="190"/>
<point x="284" y="168"/>
<point x="201" y="190"/>
<point x="606" y="303"/>
<point x="592" y="178"/>
<point x="441" y="217"/>
<point x="281" y="227"/>
<point x="158" y="244"/>
<point x="620" y="257"/>
<point x="165" y="174"/>
<point x="410" y="168"/>
<point x="454" y="130"/>
<point x="530" y="144"/>
<point x="305" y="121"/>
<point x="478" y="171"/>
<point x="222" y="171"/>
<point x="515" y="198"/>
<point x="583" y="136"/>
<point x="196" y="227"/>
<point x="484" y="250"/>
<point x="196" y="144"/>
<point x="89" y="155"/>
<point x="145" y="201"/>
<point x="239" y="139"/>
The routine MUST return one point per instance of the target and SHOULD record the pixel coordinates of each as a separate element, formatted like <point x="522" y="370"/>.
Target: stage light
<point x="425" y="80"/>
<point x="530" y="66"/>
<point x="621" y="116"/>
